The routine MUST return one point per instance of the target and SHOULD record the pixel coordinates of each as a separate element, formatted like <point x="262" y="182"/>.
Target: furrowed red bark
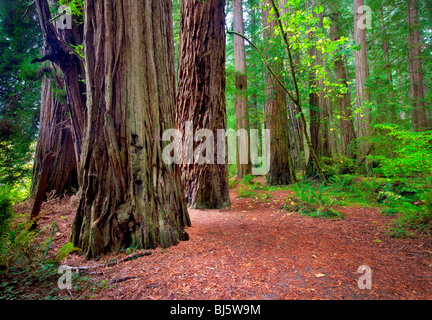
<point x="129" y="195"/>
<point x="281" y="164"/>
<point x="55" y="136"/>
<point x="57" y="49"/>
<point x="201" y="97"/>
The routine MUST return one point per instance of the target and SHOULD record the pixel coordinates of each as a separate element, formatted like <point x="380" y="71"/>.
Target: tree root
<point x="110" y="264"/>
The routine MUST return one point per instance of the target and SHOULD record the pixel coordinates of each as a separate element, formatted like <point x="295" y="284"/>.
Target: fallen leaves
<point x="260" y="253"/>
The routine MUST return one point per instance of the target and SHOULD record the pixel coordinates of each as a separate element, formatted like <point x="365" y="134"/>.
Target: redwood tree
<point x="344" y="100"/>
<point x="420" y="121"/>
<point x="55" y="136"/>
<point x="241" y="104"/>
<point x="57" y="49"/>
<point x="363" y="119"/>
<point x="201" y="98"/>
<point x="129" y="195"/>
<point x="281" y="166"/>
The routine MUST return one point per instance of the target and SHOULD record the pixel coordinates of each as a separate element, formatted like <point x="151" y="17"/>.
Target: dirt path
<point x="256" y="251"/>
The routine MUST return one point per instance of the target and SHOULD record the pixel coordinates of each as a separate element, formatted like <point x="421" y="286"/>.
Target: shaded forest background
<point x="359" y="96"/>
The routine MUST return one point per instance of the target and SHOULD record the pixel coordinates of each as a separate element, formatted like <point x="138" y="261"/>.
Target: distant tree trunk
<point x="57" y="49"/>
<point x="129" y="195"/>
<point x="201" y="98"/>
<point x="324" y="103"/>
<point x="420" y="121"/>
<point x="55" y="136"/>
<point x="296" y="132"/>
<point x="241" y="104"/>
<point x="344" y="100"/>
<point x="385" y="46"/>
<point x="281" y="164"/>
<point x="315" y="112"/>
<point x="363" y="119"/>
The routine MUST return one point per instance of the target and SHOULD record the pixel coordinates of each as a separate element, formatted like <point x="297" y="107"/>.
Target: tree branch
<point x="28" y="9"/>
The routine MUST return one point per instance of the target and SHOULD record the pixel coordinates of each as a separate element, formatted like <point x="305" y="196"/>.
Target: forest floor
<point x="256" y="250"/>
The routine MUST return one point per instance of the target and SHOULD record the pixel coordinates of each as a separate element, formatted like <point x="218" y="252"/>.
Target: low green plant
<point x="64" y="251"/>
<point x="390" y="212"/>
<point x="313" y="201"/>
<point x="341" y="183"/>
<point x="338" y="165"/>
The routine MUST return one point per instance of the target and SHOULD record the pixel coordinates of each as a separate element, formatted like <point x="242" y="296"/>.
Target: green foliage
<point x="341" y="183"/>
<point x="9" y="195"/>
<point x="20" y="84"/>
<point x="313" y="201"/>
<point x="338" y="165"/>
<point x="401" y="152"/>
<point x="408" y="200"/>
<point x="77" y="9"/>
<point x="252" y="189"/>
<point x="64" y="251"/>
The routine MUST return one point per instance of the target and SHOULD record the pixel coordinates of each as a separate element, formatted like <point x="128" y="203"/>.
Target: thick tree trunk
<point x="129" y="195"/>
<point x="420" y="121"/>
<point x="244" y="165"/>
<point x="201" y="99"/>
<point x="55" y="136"/>
<point x="363" y="119"/>
<point x="281" y="164"/>
<point x="344" y="100"/>
<point x="57" y="49"/>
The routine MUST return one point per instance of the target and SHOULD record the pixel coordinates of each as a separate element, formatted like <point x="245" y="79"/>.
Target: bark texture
<point x="420" y="120"/>
<point x="129" y="196"/>
<point x="281" y="164"/>
<point x="201" y="98"/>
<point x="344" y="100"/>
<point x="363" y="119"/>
<point x="55" y="136"/>
<point x="57" y="49"/>
<point x="241" y="103"/>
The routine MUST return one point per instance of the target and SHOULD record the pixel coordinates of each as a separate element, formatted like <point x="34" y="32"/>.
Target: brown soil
<point x="257" y="251"/>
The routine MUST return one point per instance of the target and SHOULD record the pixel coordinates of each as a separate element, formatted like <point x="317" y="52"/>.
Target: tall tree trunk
<point x="201" y="98"/>
<point x="420" y="121"/>
<point x="385" y="45"/>
<point x="129" y="195"/>
<point x="244" y="165"/>
<point x="295" y="132"/>
<point x="363" y="119"/>
<point x="324" y="102"/>
<point x="281" y="164"/>
<point x="315" y="104"/>
<point x="57" y="49"/>
<point x="55" y="137"/>
<point x="344" y="100"/>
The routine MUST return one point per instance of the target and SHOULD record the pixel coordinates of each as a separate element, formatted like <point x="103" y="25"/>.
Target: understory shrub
<point x="312" y="201"/>
<point x="401" y="153"/>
